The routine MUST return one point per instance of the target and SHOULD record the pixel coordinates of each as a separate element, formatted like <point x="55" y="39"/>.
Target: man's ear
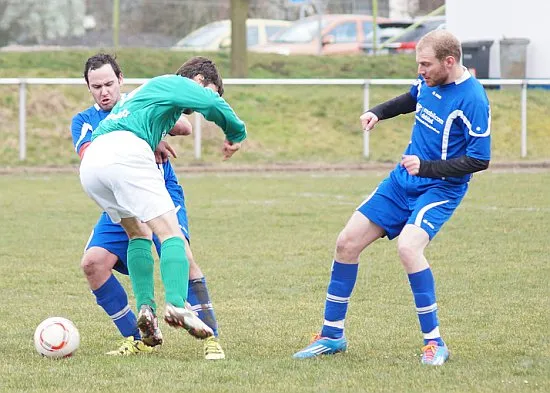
<point x="199" y="78"/>
<point x="450" y="61"/>
<point x="121" y="79"/>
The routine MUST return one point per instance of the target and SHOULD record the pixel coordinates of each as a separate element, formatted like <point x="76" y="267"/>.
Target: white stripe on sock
<point x="121" y="313"/>
<point x="433" y="334"/>
<point x="337" y="299"/>
<point x="427" y="309"/>
<point x="336" y="324"/>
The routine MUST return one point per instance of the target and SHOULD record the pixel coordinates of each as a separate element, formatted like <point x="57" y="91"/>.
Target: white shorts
<point x="118" y="171"/>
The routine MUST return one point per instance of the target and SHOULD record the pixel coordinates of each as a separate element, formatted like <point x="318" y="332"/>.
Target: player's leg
<point x="141" y="268"/>
<point x="198" y="297"/>
<point x="380" y="214"/>
<point x="432" y="210"/>
<point x="97" y="263"/>
<point x="105" y="250"/>
<point x="358" y="233"/>
<point x="200" y="302"/>
<point x="174" y="267"/>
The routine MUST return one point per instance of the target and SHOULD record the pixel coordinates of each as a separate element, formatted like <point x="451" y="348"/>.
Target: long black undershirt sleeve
<point x="405" y="103"/>
<point x="454" y="167"/>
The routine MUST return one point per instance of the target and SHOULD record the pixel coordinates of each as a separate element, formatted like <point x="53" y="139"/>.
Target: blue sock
<point x="199" y="299"/>
<point x="112" y="297"/>
<point x="423" y="289"/>
<point x="341" y="285"/>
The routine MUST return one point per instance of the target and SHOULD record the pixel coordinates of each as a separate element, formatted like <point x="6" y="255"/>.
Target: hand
<point x="368" y="121"/>
<point x="163" y="152"/>
<point x="229" y="148"/>
<point x="411" y="164"/>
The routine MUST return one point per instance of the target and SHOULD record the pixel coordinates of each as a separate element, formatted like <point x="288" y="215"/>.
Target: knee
<point x="347" y="248"/>
<point x="408" y="253"/>
<point x="92" y="265"/>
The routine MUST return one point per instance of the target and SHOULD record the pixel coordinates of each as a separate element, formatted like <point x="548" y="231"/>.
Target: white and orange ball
<point x="56" y="337"/>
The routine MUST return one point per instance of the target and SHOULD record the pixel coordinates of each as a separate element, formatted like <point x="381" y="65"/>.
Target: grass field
<point x="265" y="242"/>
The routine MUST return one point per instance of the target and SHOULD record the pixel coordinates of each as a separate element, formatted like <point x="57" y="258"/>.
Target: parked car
<point x="384" y="32"/>
<point x="406" y="43"/>
<point x="340" y="34"/>
<point x="216" y="36"/>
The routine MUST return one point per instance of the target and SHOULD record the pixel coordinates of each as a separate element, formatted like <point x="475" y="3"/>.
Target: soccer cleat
<point x="181" y="317"/>
<point x="212" y="349"/>
<point x="130" y="347"/>
<point x="149" y="326"/>
<point x="434" y="354"/>
<point x="322" y="346"/>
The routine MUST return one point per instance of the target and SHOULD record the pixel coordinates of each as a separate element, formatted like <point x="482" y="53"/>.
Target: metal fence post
<point x="197" y="135"/>
<point x="366" y="106"/>
<point x="523" y="119"/>
<point x="22" y="120"/>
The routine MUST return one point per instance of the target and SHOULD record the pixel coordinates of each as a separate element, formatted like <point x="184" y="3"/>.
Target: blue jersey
<point x="451" y="120"/>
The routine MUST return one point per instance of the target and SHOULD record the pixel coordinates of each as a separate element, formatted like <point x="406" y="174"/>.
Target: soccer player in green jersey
<point x="119" y="173"/>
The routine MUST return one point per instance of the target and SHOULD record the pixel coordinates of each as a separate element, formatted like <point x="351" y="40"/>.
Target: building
<point x="473" y="20"/>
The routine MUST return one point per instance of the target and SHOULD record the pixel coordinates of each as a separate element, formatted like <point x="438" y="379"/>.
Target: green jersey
<point x="152" y="110"/>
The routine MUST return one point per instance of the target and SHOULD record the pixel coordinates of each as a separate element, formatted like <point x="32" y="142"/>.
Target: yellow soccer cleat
<point x="212" y="349"/>
<point x="131" y="347"/>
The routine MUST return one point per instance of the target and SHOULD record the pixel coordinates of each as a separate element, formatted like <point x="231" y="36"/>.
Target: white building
<point x="472" y="20"/>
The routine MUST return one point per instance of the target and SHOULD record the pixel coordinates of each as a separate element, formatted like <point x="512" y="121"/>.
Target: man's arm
<point x="405" y="103"/>
<point x="81" y="131"/>
<point x="182" y="127"/>
<point x="454" y="167"/>
<point x="187" y="94"/>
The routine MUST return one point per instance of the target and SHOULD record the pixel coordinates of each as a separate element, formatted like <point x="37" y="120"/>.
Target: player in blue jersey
<point x="106" y="248"/>
<point x="450" y="140"/>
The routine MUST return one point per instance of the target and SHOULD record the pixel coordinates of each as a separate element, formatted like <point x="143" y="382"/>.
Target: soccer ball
<point x="56" y="337"/>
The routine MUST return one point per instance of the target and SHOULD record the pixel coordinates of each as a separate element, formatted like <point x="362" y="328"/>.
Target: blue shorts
<point x="393" y="205"/>
<point x="113" y="238"/>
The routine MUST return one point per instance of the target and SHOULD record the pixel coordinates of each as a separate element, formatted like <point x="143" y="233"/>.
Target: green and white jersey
<point x="152" y="110"/>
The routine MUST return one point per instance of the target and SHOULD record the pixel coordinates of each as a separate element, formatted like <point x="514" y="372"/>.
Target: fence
<point x="366" y="83"/>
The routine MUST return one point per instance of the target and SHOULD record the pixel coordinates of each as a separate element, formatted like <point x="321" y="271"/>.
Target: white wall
<point x="472" y="20"/>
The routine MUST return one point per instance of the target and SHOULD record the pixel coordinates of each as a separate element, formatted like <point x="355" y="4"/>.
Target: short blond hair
<point x="443" y="43"/>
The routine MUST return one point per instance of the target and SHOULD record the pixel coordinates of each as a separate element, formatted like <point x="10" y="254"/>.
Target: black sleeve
<point x="405" y="103"/>
<point x="455" y="167"/>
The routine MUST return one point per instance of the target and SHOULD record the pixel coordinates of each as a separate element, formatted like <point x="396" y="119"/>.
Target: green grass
<point x="286" y="124"/>
<point x="265" y="243"/>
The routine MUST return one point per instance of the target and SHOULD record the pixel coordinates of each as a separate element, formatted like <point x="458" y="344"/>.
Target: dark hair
<point x="98" y="61"/>
<point x="205" y="67"/>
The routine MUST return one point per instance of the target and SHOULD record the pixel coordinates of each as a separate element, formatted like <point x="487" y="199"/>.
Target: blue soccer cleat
<point x="434" y="354"/>
<point x="322" y="346"/>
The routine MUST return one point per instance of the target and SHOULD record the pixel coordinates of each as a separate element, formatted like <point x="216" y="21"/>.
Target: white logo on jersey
<point x="436" y="95"/>
<point x="430" y="116"/>
<point x="428" y="223"/>
<point x="116" y="116"/>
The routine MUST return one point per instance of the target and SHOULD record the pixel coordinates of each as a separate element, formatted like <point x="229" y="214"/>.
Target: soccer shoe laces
<point x="315" y="337"/>
<point x="213" y="349"/>
<point x="429" y="350"/>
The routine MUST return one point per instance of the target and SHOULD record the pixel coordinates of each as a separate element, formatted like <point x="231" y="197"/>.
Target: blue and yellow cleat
<point x="322" y="346"/>
<point x="434" y="354"/>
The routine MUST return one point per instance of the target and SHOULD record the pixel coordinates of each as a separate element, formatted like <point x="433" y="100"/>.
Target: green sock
<point x="141" y="268"/>
<point x="174" y="270"/>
